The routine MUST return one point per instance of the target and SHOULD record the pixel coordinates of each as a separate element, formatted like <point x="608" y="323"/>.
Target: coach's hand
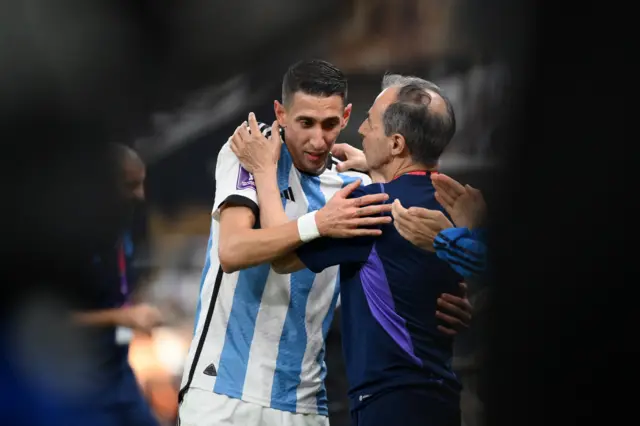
<point x="418" y="225"/>
<point x="344" y="217"/>
<point x="351" y="158"/>
<point x="465" y="204"/>
<point x="255" y="152"/>
<point x="455" y="311"/>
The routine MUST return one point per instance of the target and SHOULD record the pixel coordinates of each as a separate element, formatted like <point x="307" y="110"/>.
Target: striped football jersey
<point x="259" y="336"/>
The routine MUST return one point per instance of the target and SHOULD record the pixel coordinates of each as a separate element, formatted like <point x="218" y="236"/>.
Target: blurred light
<point x="170" y="348"/>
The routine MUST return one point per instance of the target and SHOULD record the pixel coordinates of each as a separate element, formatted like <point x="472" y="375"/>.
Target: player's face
<point x="375" y="144"/>
<point x="312" y="125"/>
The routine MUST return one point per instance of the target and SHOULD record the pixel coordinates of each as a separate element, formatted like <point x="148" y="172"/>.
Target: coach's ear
<point x="346" y="115"/>
<point x="397" y="144"/>
<point x="281" y="113"/>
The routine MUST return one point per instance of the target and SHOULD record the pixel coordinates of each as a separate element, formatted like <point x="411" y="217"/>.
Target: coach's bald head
<point x="409" y="125"/>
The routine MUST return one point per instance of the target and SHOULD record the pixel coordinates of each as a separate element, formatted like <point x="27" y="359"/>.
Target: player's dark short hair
<point x="313" y="77"/>
<point x="427" y="132"/>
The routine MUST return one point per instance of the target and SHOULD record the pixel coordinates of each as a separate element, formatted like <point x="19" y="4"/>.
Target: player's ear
<point x="281" y="113"/>
<point x="398" y="144"/>
<point x="346" y="115"/>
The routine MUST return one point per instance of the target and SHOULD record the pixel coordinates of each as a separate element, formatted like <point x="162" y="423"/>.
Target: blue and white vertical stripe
<point x="267" y="332"/>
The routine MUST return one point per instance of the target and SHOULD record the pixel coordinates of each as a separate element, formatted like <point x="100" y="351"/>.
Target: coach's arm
<point x="288" y="264"/>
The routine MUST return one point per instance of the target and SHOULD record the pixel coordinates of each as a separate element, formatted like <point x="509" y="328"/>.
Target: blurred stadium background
<point x="173" y="79"/>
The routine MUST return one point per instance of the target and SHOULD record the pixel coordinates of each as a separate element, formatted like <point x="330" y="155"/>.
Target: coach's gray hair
<point x="397" y="80"/>
<point x="427" y="133"/>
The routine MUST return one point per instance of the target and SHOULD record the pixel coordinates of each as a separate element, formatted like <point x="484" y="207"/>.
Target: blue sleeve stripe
<point x="473" y="257"/>
<point x="468" y="249"/>
<point x="464" y="253"/>
<point x="453" y="256"/>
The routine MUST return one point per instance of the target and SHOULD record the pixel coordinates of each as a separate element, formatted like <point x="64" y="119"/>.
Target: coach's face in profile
<point x="377" y="146"/>
<point x="312" y="125"/>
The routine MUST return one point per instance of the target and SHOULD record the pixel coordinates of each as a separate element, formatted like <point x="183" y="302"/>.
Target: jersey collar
<point x="416" y="173"/>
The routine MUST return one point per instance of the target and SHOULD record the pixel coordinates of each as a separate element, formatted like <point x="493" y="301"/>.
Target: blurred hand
<point x="418" y="225"/>
<point x="351" y="158"/>
<point x="255" y="152"/>
<point x="141" y="317"/>
<point x="465" y="204"/>
<point x="458" y="312"/>
<point x="343" y="217"/>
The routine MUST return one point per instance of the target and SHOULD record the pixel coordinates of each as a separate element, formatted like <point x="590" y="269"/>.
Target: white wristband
<point x="307" y="228"/>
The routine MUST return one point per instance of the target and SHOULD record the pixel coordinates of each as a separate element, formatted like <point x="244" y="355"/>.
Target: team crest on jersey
<point x="245" y="179"/>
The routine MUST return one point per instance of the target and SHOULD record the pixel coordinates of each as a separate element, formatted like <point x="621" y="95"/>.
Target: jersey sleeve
<point x="234" y="184"/>
<point x="463" y="250"/>
<point x="324" y="252"/>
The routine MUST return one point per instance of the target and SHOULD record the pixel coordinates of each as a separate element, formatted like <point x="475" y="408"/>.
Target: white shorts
<point x="205" y="408"/>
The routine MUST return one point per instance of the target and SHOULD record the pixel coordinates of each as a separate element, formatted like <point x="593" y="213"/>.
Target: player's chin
<point x="315" y="166"/>
<point x="315" y="171"/>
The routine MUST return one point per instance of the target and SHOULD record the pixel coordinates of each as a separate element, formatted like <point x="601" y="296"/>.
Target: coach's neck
<point x="400" y="166"/>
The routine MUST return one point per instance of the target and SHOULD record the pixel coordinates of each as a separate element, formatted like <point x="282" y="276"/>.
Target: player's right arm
<point x="241" y="245"/>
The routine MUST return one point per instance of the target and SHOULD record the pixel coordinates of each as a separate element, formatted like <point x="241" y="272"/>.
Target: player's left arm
<point x="352" y="158"/>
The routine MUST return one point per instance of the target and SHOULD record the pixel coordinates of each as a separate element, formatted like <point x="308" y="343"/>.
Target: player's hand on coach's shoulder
<point x="344" y="217"/>
<point x="454" y="311"/>
<point x="256" y="152"/>
<point x="418" y="225"/>
<point x="351" y="158"/>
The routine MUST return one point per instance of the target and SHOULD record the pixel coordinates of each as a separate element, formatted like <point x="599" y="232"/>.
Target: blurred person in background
<point x="257" y="354"/>
<point x="398" y="362"/>
<point x="114" y="394"/>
